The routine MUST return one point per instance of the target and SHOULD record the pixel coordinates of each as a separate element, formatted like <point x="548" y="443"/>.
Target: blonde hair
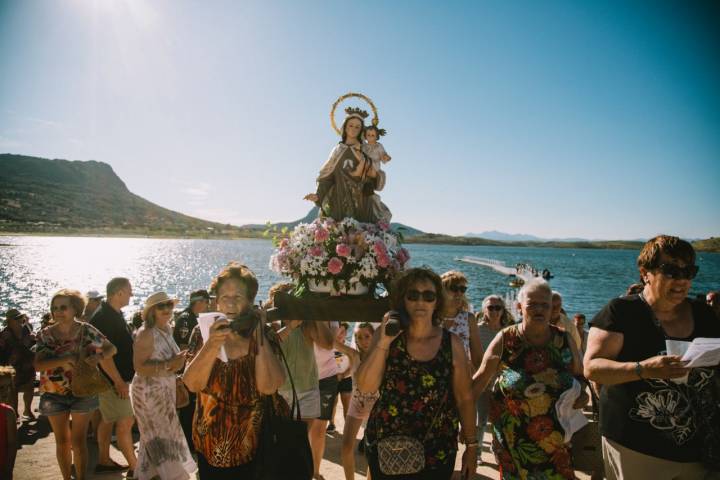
<point x="454" y="277"/>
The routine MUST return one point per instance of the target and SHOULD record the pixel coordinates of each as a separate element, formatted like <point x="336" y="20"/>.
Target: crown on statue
<point x="356" y="112"/>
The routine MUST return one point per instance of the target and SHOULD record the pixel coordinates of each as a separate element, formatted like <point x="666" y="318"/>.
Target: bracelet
<point x="474" y="443"/>
<point x="638" y="370"/>
<point x="383" y="349"/>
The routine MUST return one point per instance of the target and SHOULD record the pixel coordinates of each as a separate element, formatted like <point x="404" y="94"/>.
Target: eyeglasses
<point x="59" y="308"/>
<point x="426" y="295"/>
<point x="458" y="288"/>
<point x="495" y="308"/>
<point x="676" y="272"/>
<point x="165" y="305"/>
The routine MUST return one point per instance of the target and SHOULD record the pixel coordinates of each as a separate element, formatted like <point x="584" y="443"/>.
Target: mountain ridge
<point x="74" y="197"/>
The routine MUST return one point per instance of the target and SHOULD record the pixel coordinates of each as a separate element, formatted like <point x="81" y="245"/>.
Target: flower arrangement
<point x="344" y="255"/>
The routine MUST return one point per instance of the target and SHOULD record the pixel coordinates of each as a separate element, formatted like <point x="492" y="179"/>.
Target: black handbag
<point x="283" y="450"/>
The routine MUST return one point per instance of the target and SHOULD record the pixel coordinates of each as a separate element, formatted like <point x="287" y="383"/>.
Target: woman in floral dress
<point x="423" y="377"/>
<point x="535" y="363"/>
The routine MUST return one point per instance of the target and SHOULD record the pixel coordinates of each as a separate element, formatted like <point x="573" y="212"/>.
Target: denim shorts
<point x="54" y="404"/>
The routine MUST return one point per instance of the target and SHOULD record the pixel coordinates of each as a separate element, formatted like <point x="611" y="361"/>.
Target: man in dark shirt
<point x="188" y="319"/>
<point x="115" y="404"/>
<point x="184" y="326"/>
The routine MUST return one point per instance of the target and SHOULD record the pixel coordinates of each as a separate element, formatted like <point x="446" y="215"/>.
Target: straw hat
<point x="155" y="299"/>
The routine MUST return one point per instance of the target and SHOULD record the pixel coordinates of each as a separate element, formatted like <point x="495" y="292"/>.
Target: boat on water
<point x="521" y="272"/>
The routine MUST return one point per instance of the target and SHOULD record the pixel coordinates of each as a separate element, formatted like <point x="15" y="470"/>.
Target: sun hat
<point x="94" y="295"/>
<point x="155" y="299"/>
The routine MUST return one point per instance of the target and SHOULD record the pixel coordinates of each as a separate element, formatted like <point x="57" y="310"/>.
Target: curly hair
<point x="239" y="272"/>
<point x="403" y="282"/>
<point x="452" y="278"/>
<point x="77" y="300"/>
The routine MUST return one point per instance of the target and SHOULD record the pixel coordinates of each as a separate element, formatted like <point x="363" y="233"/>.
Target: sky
<point x="598" y="120"/>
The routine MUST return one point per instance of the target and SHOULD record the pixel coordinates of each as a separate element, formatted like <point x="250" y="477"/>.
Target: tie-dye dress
<point x="163" y="450"/>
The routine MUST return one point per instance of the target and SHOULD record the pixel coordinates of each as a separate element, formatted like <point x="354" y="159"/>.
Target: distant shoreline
<point x="426" y="239"/>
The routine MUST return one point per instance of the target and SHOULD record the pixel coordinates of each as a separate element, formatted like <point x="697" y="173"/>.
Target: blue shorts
<point x="54" y="404"/>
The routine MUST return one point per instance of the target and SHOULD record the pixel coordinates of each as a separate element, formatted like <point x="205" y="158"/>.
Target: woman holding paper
<point x="652" y="426"/>
<point x="229" y="412"/>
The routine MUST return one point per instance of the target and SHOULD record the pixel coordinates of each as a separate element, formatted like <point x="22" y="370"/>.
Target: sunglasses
<point x="495" y="308"/>
<point x="426" y="295"/>
<point x="59" y="308"/>
<point x="676" y="272"/>
<point x="165" y="305"/>
<point x="458" y="288"/>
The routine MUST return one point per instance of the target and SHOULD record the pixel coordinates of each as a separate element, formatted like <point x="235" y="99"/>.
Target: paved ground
<point x="36" y="458"/>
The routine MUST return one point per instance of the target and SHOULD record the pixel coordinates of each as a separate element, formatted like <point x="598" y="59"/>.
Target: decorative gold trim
<point x="375" y="119"/>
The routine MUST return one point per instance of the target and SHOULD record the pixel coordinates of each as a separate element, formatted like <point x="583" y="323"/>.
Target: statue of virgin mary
<point x="347" y="182"/>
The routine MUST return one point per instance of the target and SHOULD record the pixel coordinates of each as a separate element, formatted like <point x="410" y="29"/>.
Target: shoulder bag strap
<point x="295" y="401"/>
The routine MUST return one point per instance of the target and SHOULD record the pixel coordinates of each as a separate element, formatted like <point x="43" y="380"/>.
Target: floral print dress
<point x="527" y="437"/>
<point x="411" y="394"/>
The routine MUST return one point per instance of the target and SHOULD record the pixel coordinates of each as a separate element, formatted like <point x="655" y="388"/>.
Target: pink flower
<point x="335" y="265"/>
<point x="316" y="251"/>
<point x="379" y="248"/>
<point x="383" y="260"/>
<point x="343" y="250"/>
<point x="384" y="226"/>
<point x="321" y="235"/>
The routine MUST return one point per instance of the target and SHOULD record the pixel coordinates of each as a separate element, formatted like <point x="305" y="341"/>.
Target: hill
<point x="86" y="197"/>
<point x="711" y="244"/>
<point x="38" y="195"/>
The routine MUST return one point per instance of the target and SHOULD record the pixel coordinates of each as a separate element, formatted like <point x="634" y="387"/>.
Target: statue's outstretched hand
<point x="312" y="197"/>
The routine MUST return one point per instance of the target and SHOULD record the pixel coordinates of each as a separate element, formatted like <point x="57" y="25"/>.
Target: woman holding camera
<point x="422" y="374"/>
<point x="156" y="358"/>
<point x="229" y="411"/>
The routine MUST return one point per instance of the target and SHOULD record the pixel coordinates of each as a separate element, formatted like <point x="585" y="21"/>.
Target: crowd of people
<point x="200" y="398"/>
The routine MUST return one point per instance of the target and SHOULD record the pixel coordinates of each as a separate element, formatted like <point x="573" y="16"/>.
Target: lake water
<point x="32" y="268"/>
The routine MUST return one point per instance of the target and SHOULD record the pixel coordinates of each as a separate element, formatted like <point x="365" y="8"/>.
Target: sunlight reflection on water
<point x="32" y="268"/>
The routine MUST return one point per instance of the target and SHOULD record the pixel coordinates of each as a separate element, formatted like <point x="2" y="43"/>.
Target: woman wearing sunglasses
<point x="163" y="451"/>
<point x="459" y="318"/>
<point x="656" y="415"/>
<point x="422" y="374"/>
<point x="57" y="351"/>
<point x="493" y="318"/>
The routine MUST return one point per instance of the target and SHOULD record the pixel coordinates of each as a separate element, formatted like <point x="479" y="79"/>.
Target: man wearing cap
<point x="184" y="326"/>
<point x="94" y="299"/>
<point x="15" y="350"/>
<point x="188" y="319"/>
<point x="115" y="406"/>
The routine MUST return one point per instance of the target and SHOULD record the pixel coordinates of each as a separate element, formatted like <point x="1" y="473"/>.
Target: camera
<point x="398" y="321"/>
<point x="244" y="323"/>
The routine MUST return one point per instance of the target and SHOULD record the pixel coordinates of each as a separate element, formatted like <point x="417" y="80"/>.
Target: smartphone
<point x="398" y="320"/>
